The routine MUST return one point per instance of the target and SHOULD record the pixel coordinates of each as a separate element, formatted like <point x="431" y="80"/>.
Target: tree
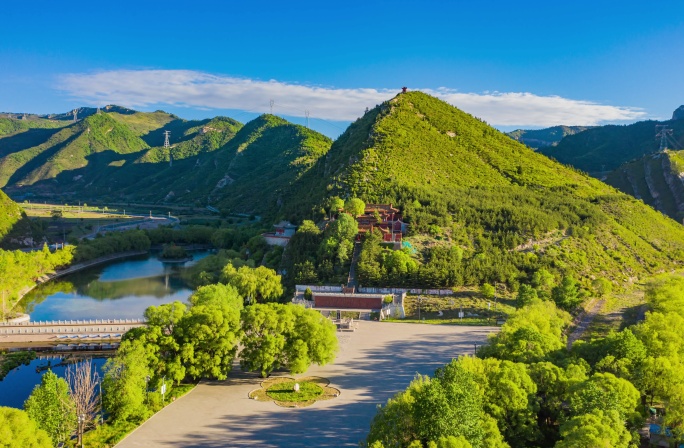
<point x="17" y="430"/>
<point x="263" y="343"/>
<point x="487" y="291"/>
<point x="334" y="204"/>
<point x="355" y="207"/>
<point x="313" y="340"/>
<point x="158" y="338"/>
<point x="530" y="335"/>
<point x="526" y="295"/>
<point x="604" y="391"/>
<point x="289" y="336"/>
<point x="566" y="294"/>
<point x="602" y="286"/>
<point x="124" y="385"/>
<point x="509" y="396"/>
<point x="208" y="336"/>
<point x="448" y="405"/>
<point x="595" y="429"/>
<point x="260" y="284"/>
<point x="84" y="383"/>
<point x="51" y="407"/>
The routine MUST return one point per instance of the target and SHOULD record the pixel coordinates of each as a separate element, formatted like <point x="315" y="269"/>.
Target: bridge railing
<point x="54" y="323"/>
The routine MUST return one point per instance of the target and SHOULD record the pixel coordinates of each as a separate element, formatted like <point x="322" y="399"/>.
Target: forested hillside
<point x="10" y="215"/>
<point x="246" y="173"/>
<point x="657" y="179"/>
<point x="605" y="148"/>
<point x="537" y="138"/>
<point x="480" y="206"/>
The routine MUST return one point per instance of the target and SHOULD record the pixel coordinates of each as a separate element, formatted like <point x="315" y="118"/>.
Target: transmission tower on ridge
<point x="167" y="146"/>
<point x="663" y="132"/>
<point x="75" y="115"/>
<point x="306" y="113"/>
<point x="272" y="103"/>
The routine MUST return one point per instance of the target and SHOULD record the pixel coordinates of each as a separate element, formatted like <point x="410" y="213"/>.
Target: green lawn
<point x="284" y="391"/>
<point x="477" y="310"/>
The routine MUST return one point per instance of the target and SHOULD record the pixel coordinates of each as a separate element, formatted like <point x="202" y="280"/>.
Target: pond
<point x="16" y="387"/>
<point x="119" y="290"/>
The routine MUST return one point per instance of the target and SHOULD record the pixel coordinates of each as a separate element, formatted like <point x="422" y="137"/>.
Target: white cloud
<point x="187" y="88"/>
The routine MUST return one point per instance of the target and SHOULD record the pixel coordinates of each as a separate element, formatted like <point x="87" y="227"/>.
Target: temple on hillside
<point x="384" y="218"/>
<point x="284" y="230"/>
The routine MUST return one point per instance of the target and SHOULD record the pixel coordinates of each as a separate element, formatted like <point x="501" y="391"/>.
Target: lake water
<point x="16" y="387"/>
<point x="119" y="290"/>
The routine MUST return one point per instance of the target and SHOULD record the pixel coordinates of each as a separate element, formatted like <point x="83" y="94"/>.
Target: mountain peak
<point x="678" y="114"/>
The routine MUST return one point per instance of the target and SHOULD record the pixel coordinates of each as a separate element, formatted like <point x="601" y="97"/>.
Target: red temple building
<point x="384" y="218"/>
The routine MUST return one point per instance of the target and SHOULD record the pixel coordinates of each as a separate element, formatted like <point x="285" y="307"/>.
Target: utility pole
<point x="663" y="132"/>
<point x="306" y="113"/>
<point x="167" y="146"/>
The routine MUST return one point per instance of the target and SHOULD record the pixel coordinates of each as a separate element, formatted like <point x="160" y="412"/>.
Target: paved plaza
<point x="374" y="363"/>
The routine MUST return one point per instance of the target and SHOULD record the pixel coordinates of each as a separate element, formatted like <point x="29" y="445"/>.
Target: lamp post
<point x="81" y="424"/>
<point x="147" y="389"/>
<point x="101" y="406"/>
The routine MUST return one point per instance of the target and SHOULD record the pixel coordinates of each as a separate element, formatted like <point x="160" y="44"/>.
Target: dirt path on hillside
<point x="583" y="321"/>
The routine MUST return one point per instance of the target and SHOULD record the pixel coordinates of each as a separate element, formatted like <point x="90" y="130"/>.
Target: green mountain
<point x="246" y="173"/>
<point x="60" y="157"/>
<point x="657" y="179"/>
<point x="464" y="185"/>
<point x="15" y="226"/>
<point x="76" y="147"/>
<point x="605" y="148"/>
<point x="538" y="138"/>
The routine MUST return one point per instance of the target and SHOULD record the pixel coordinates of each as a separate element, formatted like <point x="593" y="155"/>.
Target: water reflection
<point x="16" y="387"/>
<point x="122" y="290"/>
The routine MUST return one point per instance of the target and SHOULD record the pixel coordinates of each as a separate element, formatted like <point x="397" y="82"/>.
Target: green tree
<point x="355" y="207"/>
<point x="17" y="430"/>
<point x="124" y="385"/>
<point x="487" y="291"/>
<point x="606" y="392"/>
<point x="158" y="338"/>
<point x="448" y="405"/>
<point x="602" y="287"/>
<point x="265" y="328"/>
<point x="596" y="429"/>
<point x="208" y="334"/>
<point x="334" y="204"/>
<point x="509" y="395"/>
<point x="254" y="284"/>
<point x="566" y="294"/>
<point x="530" y="335"/>
<point x="50" y="406"/>
<point x="526" y="295"/>
<point x="289" y="336"/>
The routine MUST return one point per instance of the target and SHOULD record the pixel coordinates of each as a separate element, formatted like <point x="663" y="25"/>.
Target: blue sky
<point x="515" y="64"/>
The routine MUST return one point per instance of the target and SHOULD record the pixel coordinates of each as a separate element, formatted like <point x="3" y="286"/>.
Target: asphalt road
<point x="374" y="363"/>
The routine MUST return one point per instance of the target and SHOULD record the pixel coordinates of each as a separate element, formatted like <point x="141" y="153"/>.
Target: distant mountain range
<point x="626" y="157"/>
<point x="118" y="154"/>
<point x="539" y="138"/>
<point x="604" y="148"/>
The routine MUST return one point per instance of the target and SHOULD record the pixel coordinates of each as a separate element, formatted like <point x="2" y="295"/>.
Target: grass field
<point x="476" y="309"/>
<point x="73" y="223"/>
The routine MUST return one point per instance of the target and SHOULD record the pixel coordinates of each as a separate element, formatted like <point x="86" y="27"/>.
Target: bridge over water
<point x="67" y="331"/>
